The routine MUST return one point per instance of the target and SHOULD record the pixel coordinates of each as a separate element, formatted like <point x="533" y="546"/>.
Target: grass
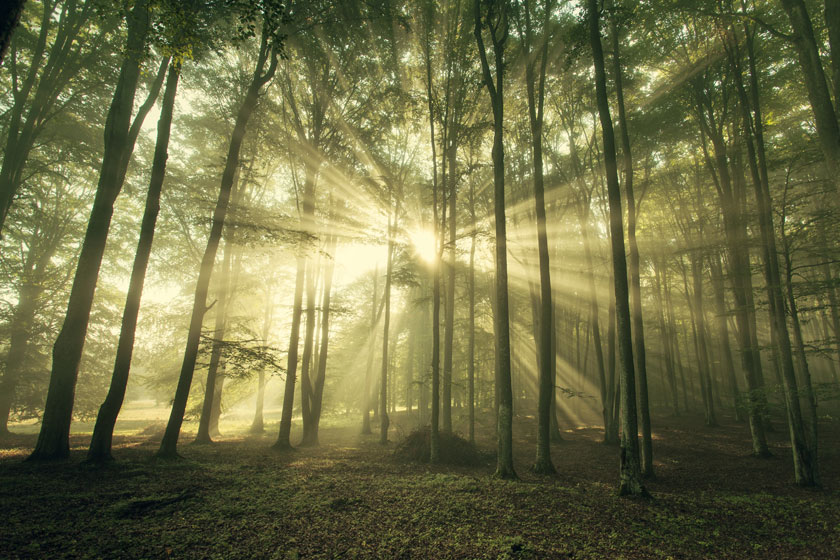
<point x="351" y="498"/>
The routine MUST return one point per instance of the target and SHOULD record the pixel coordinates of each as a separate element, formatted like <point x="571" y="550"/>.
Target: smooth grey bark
<point x="103" y="431"/>
<point x="54" y="437"/>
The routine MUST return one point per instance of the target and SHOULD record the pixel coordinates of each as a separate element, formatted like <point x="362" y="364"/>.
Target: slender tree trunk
<point x="211" y="386"/>
<point x="740" y="276"/>
<point x="258" y="426"/>
<point x="384" y="420"/>
<point x="635" y="280"/>
<point x="283" y="442"/>
<point x="471" y="334"/>
<point x="103" y="431"/>
<point x="702" y="348"/>
<point x="20" y="332"/>
<point x="495" y="88"/>
<point x="168" y="446"/>
<point x="54" y="437"/>
<point x="723" y="332"/>
<point x="611" y="435"/>
<point x="434" y="436"/>
<point x="804" y="452"/>
<point x="631" y="475"/>
<point x="666" y="343"/>
<point x="449" y="319"/>
<point x="321" y="375"/>
<point x="594" y="316"/>
<point x="535" y="86"/>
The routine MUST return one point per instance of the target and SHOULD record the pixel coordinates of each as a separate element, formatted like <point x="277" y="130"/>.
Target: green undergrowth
<point x="239" y="499"/>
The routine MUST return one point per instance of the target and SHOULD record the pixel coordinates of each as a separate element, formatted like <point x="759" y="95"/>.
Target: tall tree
<point x="493" y="15"/>
<point x="631" y="475"/>
<point x="54" y="437"/>
<point x="264" y="70"/>
<point x="535" y="86"/>
<point x="100" y="443"/>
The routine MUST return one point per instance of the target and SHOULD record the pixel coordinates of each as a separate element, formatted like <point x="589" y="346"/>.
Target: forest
<point x="420" y="279"/>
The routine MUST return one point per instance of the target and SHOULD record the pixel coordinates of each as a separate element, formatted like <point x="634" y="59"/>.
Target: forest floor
<point x="350" y="498"/>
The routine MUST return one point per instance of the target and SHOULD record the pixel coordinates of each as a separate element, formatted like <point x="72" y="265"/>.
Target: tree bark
<point x="808" y="51"/>
<point x="54" y="437"/>
<point x="631" y="476"/>
<point x="384" y="420"/>
<point x="267" y="55"/>
<point x="498" y="34"/>
<point x="103" y="431"/>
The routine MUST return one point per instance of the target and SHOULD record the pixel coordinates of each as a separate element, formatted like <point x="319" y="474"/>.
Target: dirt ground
<point x="350" y="498"/>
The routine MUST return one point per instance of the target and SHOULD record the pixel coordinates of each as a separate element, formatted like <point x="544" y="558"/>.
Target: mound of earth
<point x="454" y="450"/>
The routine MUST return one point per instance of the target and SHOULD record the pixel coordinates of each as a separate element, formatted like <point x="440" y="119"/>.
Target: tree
<point x="631" y="476"/>
<point x="493" y="15"/>
<point x="100" y="445"/>
<point x="54" y="437"/>
<point x="263" y="72"/>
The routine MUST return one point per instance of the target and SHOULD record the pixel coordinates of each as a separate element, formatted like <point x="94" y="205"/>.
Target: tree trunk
<point x="321" y="370"/>
<point x="740" y="277"/>
<point x="368" y="371"/>
<point x="258" y="426"/>
<point x="384" y="420"/>
<point x="723" y="332"/>
<point x="635" y="280"/>
<point x="702" y="349"/>
<point x="283" y="442"/>
<point x="808" y="51"/>
<point x="54" y="437"/>
<point x="498" y="36"/>
<point x="631" y="476"/>
<point x="449" y="319"/>
<point x="545" y="362"/>
<point x="216" y="361"/>
<point x="103" y="431"/>
<point x="668" y="357"/>
<point x="434" y="436"/>
<point x="805" y="463"/>
<point x="168" y="445"/>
